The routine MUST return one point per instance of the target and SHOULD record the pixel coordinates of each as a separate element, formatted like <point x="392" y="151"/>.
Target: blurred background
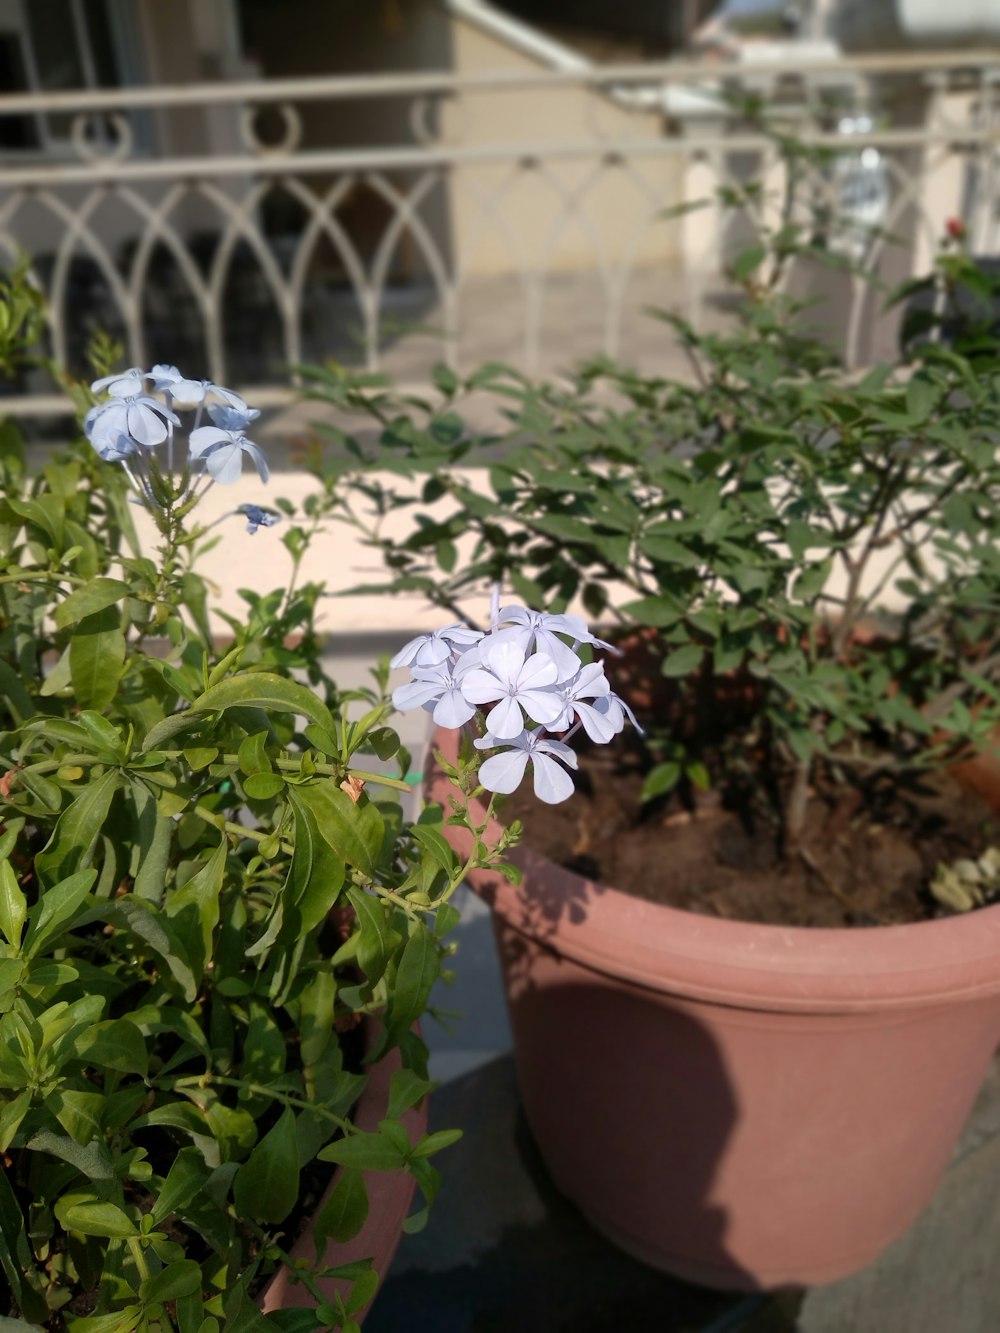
<point x="239" y="186"/>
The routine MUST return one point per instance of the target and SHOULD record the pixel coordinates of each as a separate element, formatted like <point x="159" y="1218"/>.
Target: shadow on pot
<point x="633" y="1146"/>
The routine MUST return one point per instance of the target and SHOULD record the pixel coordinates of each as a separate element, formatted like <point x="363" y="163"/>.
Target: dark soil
<point x="864" y="859"/>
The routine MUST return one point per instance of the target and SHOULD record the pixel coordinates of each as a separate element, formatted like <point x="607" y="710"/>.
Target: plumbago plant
<point x="816" y="547"/>
<point x="207" y="889"/>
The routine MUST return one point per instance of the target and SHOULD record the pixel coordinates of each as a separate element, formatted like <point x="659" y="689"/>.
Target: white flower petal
<point x="481" y="687"/>
<point x="225" y="463"/>
<point x="597" y="725"/>
<point x="504" y="656"/>
<point x="145" y="426"/>
<point x="503" y="772"/>
<point x="591" y="682"/>
<point x="226" y="396"/>
<point x="538" y="670"/>
<point x="432" y="652"/>
<point x="205" y="437"/>
<point x="552" y="783"/>
<point x="415" y="693"/>
<point x="543" y="706"/>
<point x="257" y="456"/>
<point x="557" y="748"/>
<point x="452" y="710"/>
<point x="506" y="720"/>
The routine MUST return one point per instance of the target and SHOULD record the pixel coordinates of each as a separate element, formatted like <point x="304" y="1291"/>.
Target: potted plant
<point x="217" y="929"/>
<point x="751" y="1067"/>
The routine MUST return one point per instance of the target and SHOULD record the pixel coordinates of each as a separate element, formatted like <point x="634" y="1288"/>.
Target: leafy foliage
<point x="825" y="542"/>
<point x="207" y="889"/>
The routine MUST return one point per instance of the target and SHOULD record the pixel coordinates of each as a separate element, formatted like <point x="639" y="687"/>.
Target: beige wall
<point x="620" y="226"/>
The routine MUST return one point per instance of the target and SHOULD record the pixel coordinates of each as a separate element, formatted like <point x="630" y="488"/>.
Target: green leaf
<point x="345" y="1211"/>
<point x="193" y="909"/>
<point x="13" y="905"/>
<point x="435" y="845"/>
<point x="415" y="975"/>
<point x="78" y="1112"/>
<point x="316" y="1014"/>
<point x="374" y="942"/>
<point x="182" y="1278"/>
<point x="811" y="582"/>
<point x="683" y="661"/>
<point x="75" y="835"/>
<point x="157" y="932"/>
<point x="263" y="786"/>
<point x="748" y="261"/>
<point x="662" y="778"/>
<point x="432" y="1143"/>
<point x="92" y="1160"/>
<point x="56" y="908"/>
<point x="92" y="597"/>
<point x="921" y="398"/>
<point x="353" y="830"/>
<point x="200" y="756"/>
<point x="266" y="1186"/>
<point x="368" y="1152"/>
<point x="96" y="658"/>
<point x="184" y="1182"/>
<point x="94" y="1217"/>
<point x="11" y="1115"/>
<point x="16" y="1258"/>
<point x="114" y="1044"/>
<point x="155" y="835"/>
<point x="120" y="1321"/>
<point x="406" y="1089"/>
<point x="263" y="689"/>
<point x="659" y="612"/>
<point x="17" y="698"/>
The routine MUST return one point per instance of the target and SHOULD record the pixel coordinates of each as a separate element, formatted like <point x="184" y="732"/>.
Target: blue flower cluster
<point x="139" y="413"/>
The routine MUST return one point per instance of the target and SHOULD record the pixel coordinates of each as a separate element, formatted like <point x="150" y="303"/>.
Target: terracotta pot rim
<point x="742" y="964"/>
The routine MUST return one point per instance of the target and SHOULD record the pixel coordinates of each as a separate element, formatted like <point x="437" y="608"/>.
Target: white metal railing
<point x="397" y="220"/>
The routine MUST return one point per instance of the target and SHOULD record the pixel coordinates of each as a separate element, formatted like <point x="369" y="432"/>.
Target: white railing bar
<point x="58" y="404"/>
<point x="354" y="159"/>
<point x="403" y="85"/>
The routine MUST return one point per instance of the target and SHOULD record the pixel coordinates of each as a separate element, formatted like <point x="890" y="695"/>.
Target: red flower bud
<point x="956" y="229"/>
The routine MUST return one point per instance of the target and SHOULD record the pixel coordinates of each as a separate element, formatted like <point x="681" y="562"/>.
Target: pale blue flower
<point x="539" y="629"/>
<point x="431" y="649"/>
<point x="234" y="418"/>
<point x="257" y="517"/>
<point x="511" y="681"/>
<point x="192" y="393"/>
<point x="116" y="451"/>
<point x="590" y="683"/>
<point x="140" y="417"/>
<point x="616" y="710"/>
<point x="123" y="384"/>
<point x="438" y="690"/>
<point x="222" y="446"/>
<point x="502" y="772"/>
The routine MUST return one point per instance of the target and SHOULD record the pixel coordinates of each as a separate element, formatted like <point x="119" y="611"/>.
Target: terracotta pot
<point x="746" y="1106"/>
<point x="390" y="1194"/>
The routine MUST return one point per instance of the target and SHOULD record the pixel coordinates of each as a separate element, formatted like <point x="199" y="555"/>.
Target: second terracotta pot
<point x="390" y="1194"/>
<point x="742" y="1105"/>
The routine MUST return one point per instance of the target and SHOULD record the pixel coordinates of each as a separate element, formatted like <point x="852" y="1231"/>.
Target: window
<point x="55" y="45"/>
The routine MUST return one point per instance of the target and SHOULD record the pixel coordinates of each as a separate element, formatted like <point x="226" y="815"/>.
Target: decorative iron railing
<point x="399" y="220"/>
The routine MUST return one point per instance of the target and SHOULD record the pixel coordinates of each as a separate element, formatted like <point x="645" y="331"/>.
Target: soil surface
<point x="864" y="859"/>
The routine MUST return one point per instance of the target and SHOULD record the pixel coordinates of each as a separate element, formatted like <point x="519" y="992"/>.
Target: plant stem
<point x="262" y="1090"/>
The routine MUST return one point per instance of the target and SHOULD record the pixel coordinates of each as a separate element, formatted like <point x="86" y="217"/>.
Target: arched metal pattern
<point x="312" y="247"/>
